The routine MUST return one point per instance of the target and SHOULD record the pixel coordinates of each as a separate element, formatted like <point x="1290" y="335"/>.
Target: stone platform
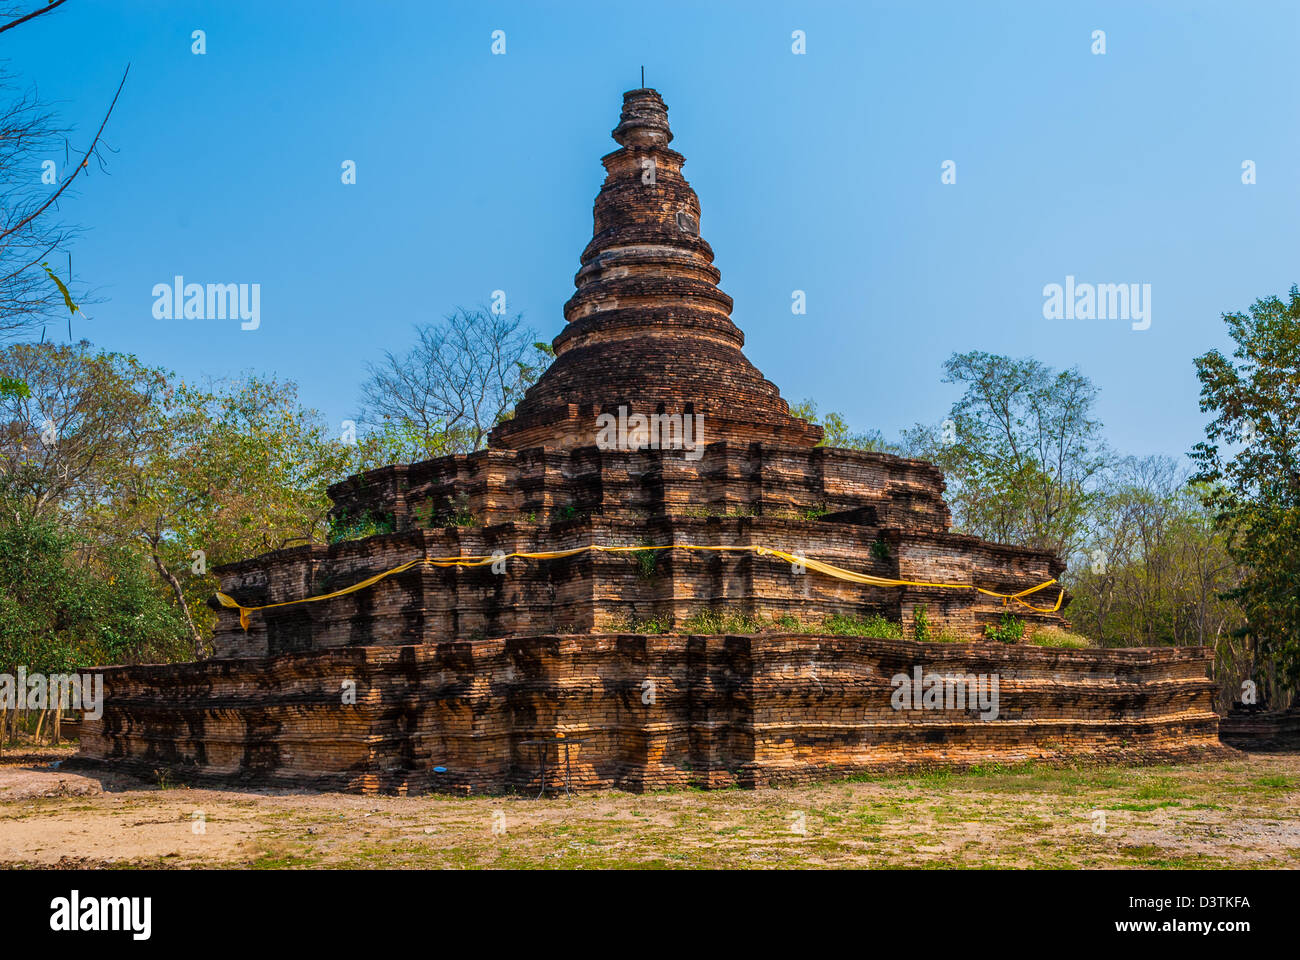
<point x="658" y="711"/>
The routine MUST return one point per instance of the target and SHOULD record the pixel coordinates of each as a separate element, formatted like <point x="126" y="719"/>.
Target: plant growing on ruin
<point x="646" y="561"/>
<point x="722" y="621"/>
<point x="1056" y="637"/>
<point x="366" y="524"/>
<point x="1010" y="629"/>
<point x="920" y="623"/>
<point x="714" y="621"/>
<point x="950" y="636"/>
<point x="457" y="513"/>
<point x="705" y="511"/>
<point x="651" y="625"/>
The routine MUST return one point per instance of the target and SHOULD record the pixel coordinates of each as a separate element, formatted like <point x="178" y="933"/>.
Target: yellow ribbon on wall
<point x="820" y="566"/>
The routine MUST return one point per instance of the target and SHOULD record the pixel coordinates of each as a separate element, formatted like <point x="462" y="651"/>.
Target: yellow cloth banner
<point x="820" y="566"/>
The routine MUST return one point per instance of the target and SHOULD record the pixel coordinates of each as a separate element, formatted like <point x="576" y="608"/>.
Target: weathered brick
<point x="455" y="667"/>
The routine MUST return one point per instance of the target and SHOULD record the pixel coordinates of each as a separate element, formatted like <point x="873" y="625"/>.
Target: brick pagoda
<point x="648" y="333"/>
<point x="455" y="666"/>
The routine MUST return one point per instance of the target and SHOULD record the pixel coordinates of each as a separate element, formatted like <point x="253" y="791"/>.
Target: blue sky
<point x="818" y="172"/>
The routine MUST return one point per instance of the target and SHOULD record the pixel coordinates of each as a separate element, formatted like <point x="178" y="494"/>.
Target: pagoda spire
<point x="648" y="328"/>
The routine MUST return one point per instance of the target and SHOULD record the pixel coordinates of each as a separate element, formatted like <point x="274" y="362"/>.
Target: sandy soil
<point x="1233" y="814"/>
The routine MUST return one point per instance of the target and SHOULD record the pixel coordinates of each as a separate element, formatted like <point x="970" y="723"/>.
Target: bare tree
<point x="462" y="377"/>
<point x="31" y="185"/>
<point x="18" y="17"/>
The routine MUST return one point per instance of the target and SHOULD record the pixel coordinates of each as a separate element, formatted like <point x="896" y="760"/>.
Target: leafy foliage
<point x="79" y="412"/>
<point x="1021" y="450"/>
<point x="1010" y="629"/>
<point x="1249" y="464"/>
<point x="1154" y="566"/>
<point x="345" y="527"/>
<point x="62" y="611"/>
<point x="243" y="470"/>
<point x="920" y="623"/>
<point x="837" y="433"/>
<point x="178" y="478"/>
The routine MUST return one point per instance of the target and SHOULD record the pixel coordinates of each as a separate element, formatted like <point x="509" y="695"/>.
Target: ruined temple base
<point x="1262" y="731"/>
<point x="656" y="712"/>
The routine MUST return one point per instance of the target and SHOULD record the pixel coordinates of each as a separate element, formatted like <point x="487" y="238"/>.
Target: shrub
<point x="920" y="623"/>
<point x="646" y="562"/>
<point x="344" y="527"/>
<point x="60" y="611"/>
<point x="721" y="621"/>
<point x="1009" y="630"/>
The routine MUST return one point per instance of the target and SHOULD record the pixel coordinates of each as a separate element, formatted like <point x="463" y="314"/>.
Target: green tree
<point x="1249" y="462"/>
<point x="836" y="431"/>
<point x="79" y="411"/>
<point x="61" y="610"/>
<point x="1155" y="569"/>
<point x="1021" y="451"/>
<point x="244" y="470"/>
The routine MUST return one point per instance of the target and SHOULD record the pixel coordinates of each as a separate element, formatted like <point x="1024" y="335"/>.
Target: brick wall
<point x="727" y="710"/>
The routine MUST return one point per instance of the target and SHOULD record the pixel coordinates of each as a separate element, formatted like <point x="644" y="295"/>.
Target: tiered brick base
<point x="869" y="512"/>
<point x="1266" y="731"/>
<point x="726" y="710"/>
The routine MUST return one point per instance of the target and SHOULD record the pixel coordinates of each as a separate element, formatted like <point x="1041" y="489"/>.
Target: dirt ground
<point x="1240" y="813"/>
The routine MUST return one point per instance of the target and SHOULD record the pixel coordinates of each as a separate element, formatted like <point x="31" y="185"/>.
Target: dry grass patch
<point x="1228" y="814"/>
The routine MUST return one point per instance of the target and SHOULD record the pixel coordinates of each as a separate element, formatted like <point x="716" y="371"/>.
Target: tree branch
<point x="35" y="13"/>
<point x="81" y="166"/>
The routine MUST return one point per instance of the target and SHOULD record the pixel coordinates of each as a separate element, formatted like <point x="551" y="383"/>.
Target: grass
<point x="704" y="512"/>
<point x="727" y="621"/>
<point x="1056" y="637"/>
<point x="844" y="625"/>
<point x="722" y="621"/>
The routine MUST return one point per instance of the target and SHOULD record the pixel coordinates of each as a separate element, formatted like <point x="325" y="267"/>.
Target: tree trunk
<point x="58" y="723"/>
<point x="180" y="599"/>
<point x="40" y="723"/>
